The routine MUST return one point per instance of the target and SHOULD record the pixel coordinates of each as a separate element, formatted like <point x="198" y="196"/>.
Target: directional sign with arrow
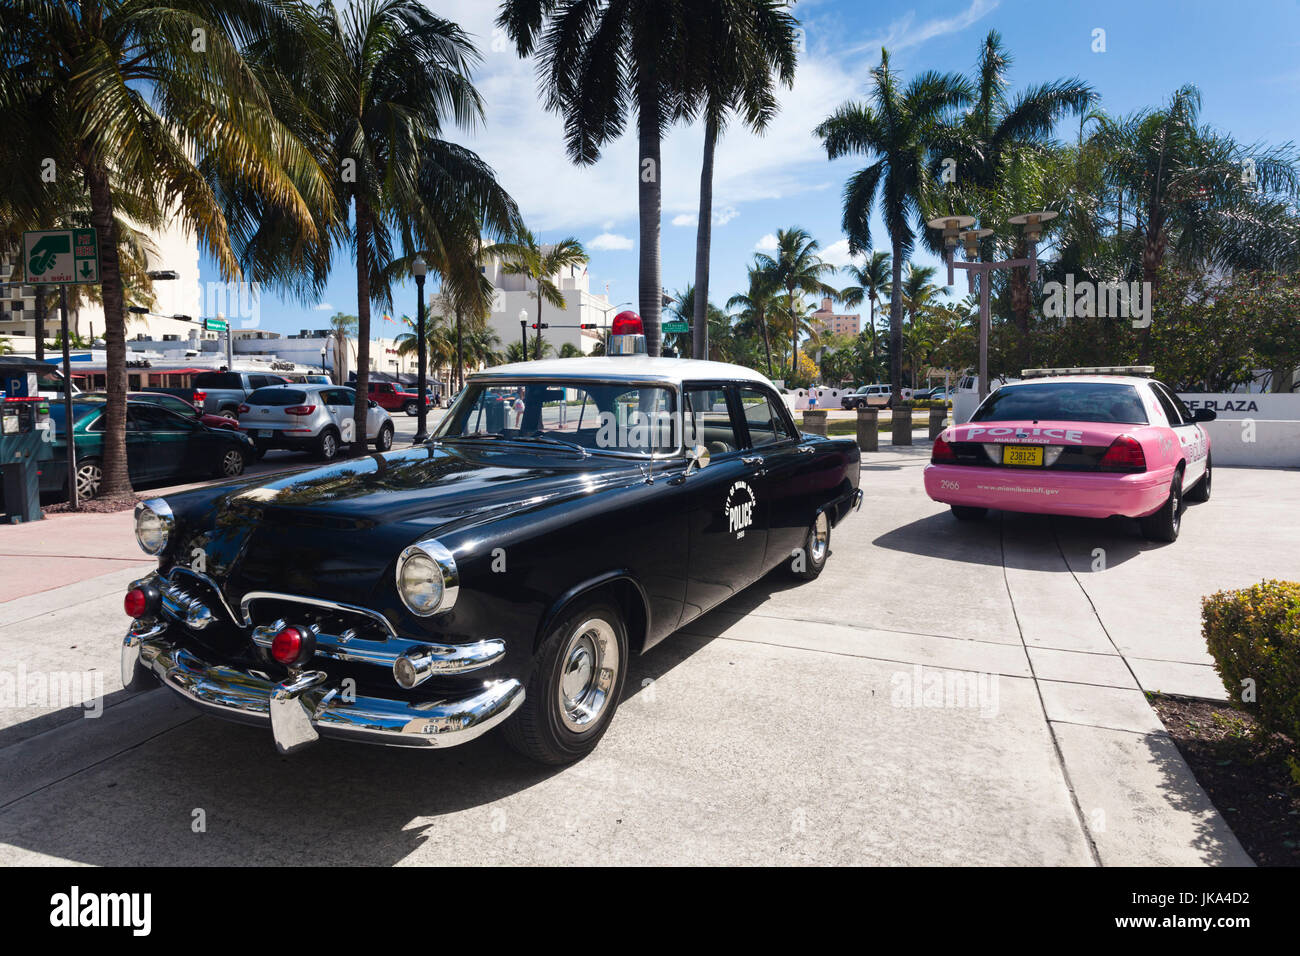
<point x="61" y="257"/>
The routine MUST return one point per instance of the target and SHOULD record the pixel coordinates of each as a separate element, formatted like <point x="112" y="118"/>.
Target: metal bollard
<point x="814" y="421"/>
<point x="868" y="429"/>
<point x="938" y="421"/>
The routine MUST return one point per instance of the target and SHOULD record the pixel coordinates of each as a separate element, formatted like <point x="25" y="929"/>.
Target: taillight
<point x="244" y="409"/>
<point x="200" y="398"/>
<point x="136" y="603"/>
<point x="942" y="452"/>
<point x="300" y="409"/>
<point x="1124" y="454"/>
<point x="292" y="645"/>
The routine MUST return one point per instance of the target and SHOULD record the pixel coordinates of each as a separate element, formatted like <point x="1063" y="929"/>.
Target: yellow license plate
<point x="1022" y="455"/>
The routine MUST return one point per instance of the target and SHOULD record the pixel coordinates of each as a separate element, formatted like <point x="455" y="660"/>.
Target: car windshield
<point x="1108" y="402"/>
<point x="277" y="396"/>
<point x="615" y="418"/>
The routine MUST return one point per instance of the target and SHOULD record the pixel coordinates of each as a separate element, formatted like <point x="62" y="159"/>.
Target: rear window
<point x="1107" y="402"/>
<point x="218" y="380"/>
<point x="277" y="397"/>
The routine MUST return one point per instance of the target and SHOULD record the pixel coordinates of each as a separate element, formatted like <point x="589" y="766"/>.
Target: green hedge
<point x="1254" y="636"/>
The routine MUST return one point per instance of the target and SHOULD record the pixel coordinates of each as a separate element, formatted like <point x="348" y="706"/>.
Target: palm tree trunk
<point x="873" y="329"/>
<point x="649" y="203"/>
<point x="460" y="353"/>
<point x="703" y="241"/>
<point x="361" y="407"/>
<point x="116" y="480"/>
<point x="767" y="348"/>
<point x="896" y="340"/>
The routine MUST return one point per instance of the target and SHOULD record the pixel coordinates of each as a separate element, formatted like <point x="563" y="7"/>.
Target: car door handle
<point x="753" y="460"/>
<point x="806" y="449"/>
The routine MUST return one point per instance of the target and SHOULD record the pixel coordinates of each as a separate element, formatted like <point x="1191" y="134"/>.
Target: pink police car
<point x="1088" y="442"/>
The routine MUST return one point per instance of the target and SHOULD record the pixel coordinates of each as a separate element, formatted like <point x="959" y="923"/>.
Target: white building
<point x="516" y="293"/>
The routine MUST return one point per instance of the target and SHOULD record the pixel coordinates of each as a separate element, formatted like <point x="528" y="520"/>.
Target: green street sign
<point x="61" y="257"/>
<point x="673" y="328"/>
<point x="216" y="325"/>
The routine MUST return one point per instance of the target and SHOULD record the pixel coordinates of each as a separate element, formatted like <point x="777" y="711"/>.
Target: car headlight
<point x="427" y="579"/>
<point x="153" y="525"/>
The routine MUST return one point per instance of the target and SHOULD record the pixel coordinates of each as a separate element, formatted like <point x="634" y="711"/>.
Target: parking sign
<point x="61" y="257"/>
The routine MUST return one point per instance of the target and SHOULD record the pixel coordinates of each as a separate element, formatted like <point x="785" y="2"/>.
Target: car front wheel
<point x="90" y="476"/>
<point x="384" y="441"/>
<point x="411" y="409"/>
<point x="574" y="689"/>
<point x="1201" y="490"/>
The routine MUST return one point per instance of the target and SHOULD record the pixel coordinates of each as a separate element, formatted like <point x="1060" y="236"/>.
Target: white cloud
<point x="610" y="241"/>
<point x="720" y="217"/>
<point x="324" y="307"/>
<point x="767" y="243"/>
<point x="902" y="33"/>
<point x="837" y="254"/>
<point x="685" y="219"/>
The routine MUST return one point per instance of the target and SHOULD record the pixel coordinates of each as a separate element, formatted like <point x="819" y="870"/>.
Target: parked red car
<point x="394" y="398"/>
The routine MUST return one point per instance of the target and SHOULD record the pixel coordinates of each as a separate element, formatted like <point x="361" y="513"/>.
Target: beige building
<point x="515" y="293"/>
<point x="826" y="319"/>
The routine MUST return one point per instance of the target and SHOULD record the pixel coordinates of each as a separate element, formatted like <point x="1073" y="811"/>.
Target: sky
<point x="1244" y="57"/>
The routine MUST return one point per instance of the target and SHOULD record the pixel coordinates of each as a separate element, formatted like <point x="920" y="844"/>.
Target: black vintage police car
<point x="564" y="515"/>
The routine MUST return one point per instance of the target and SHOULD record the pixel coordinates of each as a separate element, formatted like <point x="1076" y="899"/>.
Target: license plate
<point x="1022" y="455"/>
<point x="265" y="432"/>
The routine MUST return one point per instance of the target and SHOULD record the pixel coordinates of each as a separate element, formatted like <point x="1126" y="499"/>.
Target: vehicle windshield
<point x="1108" y="402"/>
<point x="606" y="418"/>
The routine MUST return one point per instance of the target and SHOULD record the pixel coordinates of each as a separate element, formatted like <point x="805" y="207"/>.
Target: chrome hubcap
<point x="821" y="536"/>
<point x="328" y="446"/>
<point x="234" y="463"/>
<point x="588" y="671"/>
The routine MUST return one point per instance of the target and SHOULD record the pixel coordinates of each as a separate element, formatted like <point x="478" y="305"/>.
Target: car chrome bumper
<point x="307" y="706"/>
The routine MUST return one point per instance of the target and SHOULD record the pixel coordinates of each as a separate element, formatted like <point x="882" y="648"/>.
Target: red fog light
<point x="291" y="646"/>
<point x="136" y="603"/>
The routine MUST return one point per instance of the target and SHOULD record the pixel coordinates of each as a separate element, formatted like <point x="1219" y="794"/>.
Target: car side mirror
<point x="697" y="456"/>
<point x="1204" y="415"/>
<point x="372" y="403"/>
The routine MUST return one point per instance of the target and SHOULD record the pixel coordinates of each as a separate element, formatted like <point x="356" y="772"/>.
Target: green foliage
<point x="1254" y="637"/>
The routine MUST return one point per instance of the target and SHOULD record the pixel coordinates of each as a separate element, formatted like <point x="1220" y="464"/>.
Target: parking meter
<point x="26" y="440"/>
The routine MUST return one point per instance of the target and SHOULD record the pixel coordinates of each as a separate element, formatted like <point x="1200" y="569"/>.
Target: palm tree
<point x="897" y="128"/>
<point x="540" y="264"/>
<point x="760" y="38"/>
<point x="125" y="100"/>
<point x="381" y="82"/>
<point x="797" y="269"/>
<point x="756" y="306"/>
<point x="599" y="61"/>
<point x="342" y="328"/>
<point x="872" y="284"/>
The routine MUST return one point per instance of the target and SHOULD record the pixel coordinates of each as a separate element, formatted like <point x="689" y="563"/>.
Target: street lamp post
<point x="958" y="227"/>
<point x="523" y="331"/>
<point x="323" y="349"/>
<point x="420" y="269"/>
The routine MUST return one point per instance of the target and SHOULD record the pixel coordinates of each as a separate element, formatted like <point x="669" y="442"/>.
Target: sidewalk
<point x="64" y="549"/>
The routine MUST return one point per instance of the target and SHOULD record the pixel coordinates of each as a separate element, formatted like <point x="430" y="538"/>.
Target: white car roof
<point x="1112" y="379"/>
<point x="623" y="367"/>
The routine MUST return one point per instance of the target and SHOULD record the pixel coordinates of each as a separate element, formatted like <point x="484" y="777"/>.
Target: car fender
<point x="572" y="594"/>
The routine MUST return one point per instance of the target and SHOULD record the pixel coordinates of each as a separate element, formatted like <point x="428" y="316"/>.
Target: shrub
<point x="1254" y="636"/>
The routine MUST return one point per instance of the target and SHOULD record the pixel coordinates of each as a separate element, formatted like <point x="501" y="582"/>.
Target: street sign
<point x="216" y="325"/>
<point x="672" y="328"/>
<point x="61" y="257"/>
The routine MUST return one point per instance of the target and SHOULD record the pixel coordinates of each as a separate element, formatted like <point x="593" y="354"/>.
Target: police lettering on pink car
<point x="1087" y="442"/>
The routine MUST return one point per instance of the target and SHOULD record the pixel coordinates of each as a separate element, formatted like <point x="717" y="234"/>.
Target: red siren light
<point x="627" y="323"/>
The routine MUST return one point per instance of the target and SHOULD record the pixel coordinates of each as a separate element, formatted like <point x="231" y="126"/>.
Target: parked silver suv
<point x="315" y="418"/>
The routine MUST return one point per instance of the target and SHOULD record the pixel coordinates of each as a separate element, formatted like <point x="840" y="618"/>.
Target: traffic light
<point x="543" y="325"/>
<point x="587" y="325"/>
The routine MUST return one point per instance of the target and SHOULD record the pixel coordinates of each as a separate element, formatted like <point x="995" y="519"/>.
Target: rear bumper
<point x="306" y="707"/>
<point x="1079" y="494"/>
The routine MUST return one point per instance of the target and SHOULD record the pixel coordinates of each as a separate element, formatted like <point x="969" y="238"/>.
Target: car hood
<point x="1042" y="432"/>
<point x="334" y="531"/>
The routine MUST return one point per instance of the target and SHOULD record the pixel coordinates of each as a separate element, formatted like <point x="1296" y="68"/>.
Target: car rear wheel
<point x="384" y="441"/>
<point x="1201" y="490"/>
<point x="1165" y="524"/>
<point x="327" y="446"/>
<point x="411" y="409"/>
<point x="807" y="562"/>
<point x="575" y="686"/>
<point x="231" y="464"/>
<point x="90" y="476"/>
<point x="967" y="513"/>
<point x="230" y="411"/>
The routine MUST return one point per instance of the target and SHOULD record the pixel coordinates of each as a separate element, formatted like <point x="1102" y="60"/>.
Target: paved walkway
<point x="944" y="694"/>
